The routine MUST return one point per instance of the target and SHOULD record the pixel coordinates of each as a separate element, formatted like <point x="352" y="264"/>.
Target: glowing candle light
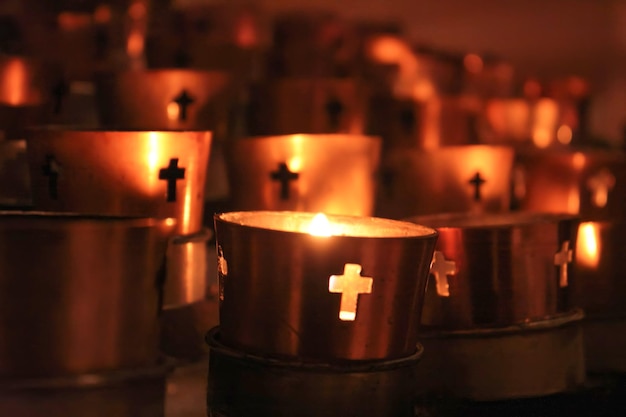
<point x="320" y="226"/>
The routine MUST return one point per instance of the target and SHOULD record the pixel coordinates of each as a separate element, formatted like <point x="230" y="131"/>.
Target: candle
<point x="321" y="288"/>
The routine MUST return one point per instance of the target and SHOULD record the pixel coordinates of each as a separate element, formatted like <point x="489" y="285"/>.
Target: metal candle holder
<point x="354" y="294"/>
<point x="142" y="173"/>
<point x="472" y="178"/>
<point x="499" y="269"/>
<point x="164" y="99"/>
<point x="326" y="173"/>
<point x="78" y="293"/>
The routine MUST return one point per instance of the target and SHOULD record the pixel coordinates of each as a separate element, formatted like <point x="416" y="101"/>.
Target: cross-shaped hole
<point x="562" y="259"/>
<point x="334" y="110"/>
<point x="172" y="174"/>
<point x="350" y="285"/>
<point x="440" y="268"/>
<point x="182" y="101"/>
<point x="284" y="176"/>
<point x="477" y="181"/>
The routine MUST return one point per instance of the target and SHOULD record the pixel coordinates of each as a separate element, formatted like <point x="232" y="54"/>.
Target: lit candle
<point x="321" y="286"/>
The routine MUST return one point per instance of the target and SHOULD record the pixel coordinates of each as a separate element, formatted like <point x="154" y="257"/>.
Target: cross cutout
<point x="600" y="185"/>
<point x="59" y="91"/>
<point x="101" y="41"/>
<point x="334" y="109"/>
<point x="183" y="100"/>
<point x="561" y="259"/>
<point x="477" y="181"/>
<point x="350" y="285"/>
<point x="52" y="169"/>
<point x="284" y="176"/>
<point x="172" y="174"/>
<point x="441" y="268"/>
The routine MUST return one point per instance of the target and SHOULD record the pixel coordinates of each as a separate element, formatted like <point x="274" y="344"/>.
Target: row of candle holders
<point x="500" y="283"/>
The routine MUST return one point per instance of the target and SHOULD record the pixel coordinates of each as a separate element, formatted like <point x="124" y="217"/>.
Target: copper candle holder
<point x="14" y="175"/>
<point x="326" y="173"/>
<point x="78" y="293"/>
<point x="429" y="124"/>
<point x="164" y="99"/>
<point x="352" y="290"/>
<point x="584" y="182"/>
<point x="472" y="178"/>
<point x="23" y="93"/>
<point x="326" y="105"/>
<point x="142" y="173"/>
<point x="499" y="269"/>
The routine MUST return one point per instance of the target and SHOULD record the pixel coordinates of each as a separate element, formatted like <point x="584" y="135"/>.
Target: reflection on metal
<point x="562" y="259"/>
<point x="350" y="285"/>
<point x="600" y="185"/>
<point x="440" y="268"/>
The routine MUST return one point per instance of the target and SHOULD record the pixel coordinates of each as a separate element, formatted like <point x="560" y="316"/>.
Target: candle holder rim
<point x="312" y="136"/>
<point x="111" y="129"/>
<point x="412" y="230"/>
<point x="33" y="215"/>
<point x="490" y="220"/>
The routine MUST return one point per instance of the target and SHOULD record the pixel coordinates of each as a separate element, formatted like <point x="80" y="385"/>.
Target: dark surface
<point x="602" y="396"/>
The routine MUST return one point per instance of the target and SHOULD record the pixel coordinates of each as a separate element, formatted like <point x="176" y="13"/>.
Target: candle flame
<point x="320" y="226"/>
<point x="588" y="246"/>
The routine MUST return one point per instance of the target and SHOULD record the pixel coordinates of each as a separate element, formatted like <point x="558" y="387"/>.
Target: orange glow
<point x="579" y="160"/>
<point x="135" y="43"/>
<point x="246" y="35"/>
<point x="102" y="14"/>
<point x="544" y="127"/>
<point x="564" y="135"/>
<point x="137" y="10"/>
<point x="320" y="226"/>
<point x="172" y="111"/>
<point x="473" y="63"/>
<point x="70" y="21"/>
<point x="15" y="83"/>
<point x="387" y="49"/>
<point x="295" y="164"/>
<point x="532" y="89"/>
<point x="588" y="245"/>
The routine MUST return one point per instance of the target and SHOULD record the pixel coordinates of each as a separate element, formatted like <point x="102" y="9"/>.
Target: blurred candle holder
<point x="141" y="173"/>
<point x="326" y="173"/>
<point x="343" y="288"/>
<point x="498" y="305"/>
<point x="326" y="105"/>
<point x="471" y="178"/>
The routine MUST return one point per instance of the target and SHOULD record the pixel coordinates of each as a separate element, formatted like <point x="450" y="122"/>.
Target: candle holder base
<point x="605" y="344"/>
<point x="532" y="359"/>
<point x="242" y="385"/>
<point x="120" y="393"/>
